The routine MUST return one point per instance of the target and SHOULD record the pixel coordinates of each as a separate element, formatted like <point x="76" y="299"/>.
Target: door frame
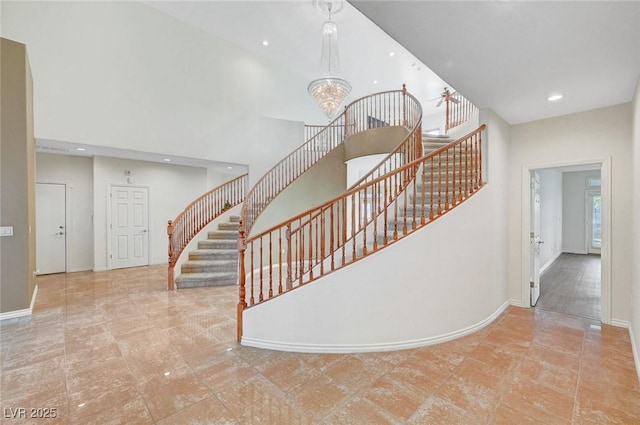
<point x="109" y="230"/>
<point x="67" y="217"/>
<point x="605" y="250"/>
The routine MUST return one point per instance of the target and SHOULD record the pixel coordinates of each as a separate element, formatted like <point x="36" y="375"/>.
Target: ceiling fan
<point x="446" y="96"/>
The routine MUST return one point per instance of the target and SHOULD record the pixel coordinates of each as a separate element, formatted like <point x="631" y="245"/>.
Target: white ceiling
<point x="511" y="55"/>
<point x="293" y="30"/>
<point x="505" y="55"/>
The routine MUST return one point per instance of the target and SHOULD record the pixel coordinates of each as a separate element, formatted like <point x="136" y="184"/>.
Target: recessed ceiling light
<point x="554" y="98"/>
<point x="167" y="160"/>
<point x="375" y="81"/>
<point x="229" y="167"/>
<point x="265" y="42"/>
<point x="81" y="149"/>
<point x="391" y="54"/>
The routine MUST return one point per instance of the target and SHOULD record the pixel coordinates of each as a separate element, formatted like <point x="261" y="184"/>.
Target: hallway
<point x="572" y="286"/>
<point x="115" y="347"/>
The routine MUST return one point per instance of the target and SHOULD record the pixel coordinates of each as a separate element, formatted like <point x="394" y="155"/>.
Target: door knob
<point x="62" y="227"/>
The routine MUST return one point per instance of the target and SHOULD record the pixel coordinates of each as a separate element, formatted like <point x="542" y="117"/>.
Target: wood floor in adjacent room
<point x="571" y="285"/>
<point x="115" y="347"/>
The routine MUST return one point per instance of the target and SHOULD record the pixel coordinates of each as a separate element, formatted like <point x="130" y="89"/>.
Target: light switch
<point x="6" y="231"/>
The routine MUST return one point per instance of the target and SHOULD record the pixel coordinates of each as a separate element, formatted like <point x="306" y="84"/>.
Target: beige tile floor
<point x="116" y="348"/>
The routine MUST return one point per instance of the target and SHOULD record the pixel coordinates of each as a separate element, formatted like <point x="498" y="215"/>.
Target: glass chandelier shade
<point x="330" y="90"/>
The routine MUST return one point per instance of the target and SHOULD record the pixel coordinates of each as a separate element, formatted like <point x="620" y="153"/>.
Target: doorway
<point x="582" y="276"/>
<point x="51" y="227"/>
<point x="129" y="226"/>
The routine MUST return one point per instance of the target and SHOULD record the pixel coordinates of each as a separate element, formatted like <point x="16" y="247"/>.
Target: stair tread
<point x="213" y="250"/>
<point x="211" y="262"/>
<point x="204" y="275"/>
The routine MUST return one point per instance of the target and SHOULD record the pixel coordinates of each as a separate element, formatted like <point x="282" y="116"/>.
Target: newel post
<point x="172" y="260"/>
<point x="242" y="304"/>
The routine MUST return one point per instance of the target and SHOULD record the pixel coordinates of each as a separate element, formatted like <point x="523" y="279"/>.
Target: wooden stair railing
<point x="326" y="236"/>
<point x="288" y="169"/>
<point x="458" y="112"/>
<point x="198" y="214"/>
<point x="408" y="150"/>
<point x="390" y="108"/>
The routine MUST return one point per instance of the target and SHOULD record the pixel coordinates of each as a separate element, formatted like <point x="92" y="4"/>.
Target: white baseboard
<point x="33" y="299"/>
<point x="80" y="269"/>
<point x="515" y="303"/>
<point x="619" y="323"/>
<point x="636" y="354"/>
<point x="549" y="263"/>
<point x="100" y="269"/>
<point x="376" y="347"/>
<point x="15" y="314"/>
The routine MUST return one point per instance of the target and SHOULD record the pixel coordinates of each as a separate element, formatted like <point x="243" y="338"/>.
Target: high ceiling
<point x="506" y="55"/>
<point x="293" y="31"/>
<point x="512" y="55"/>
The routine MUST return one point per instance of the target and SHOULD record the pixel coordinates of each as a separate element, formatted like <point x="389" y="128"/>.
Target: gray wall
<point x="17" y="182"/>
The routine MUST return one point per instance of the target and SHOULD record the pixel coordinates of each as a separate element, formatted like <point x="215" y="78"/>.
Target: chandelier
<point x="330" y="90"/>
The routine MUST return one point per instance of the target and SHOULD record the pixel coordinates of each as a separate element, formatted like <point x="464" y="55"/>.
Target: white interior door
<point x="129" y="226"/>
<point x="535" y="238"/>
<point x="51" y="231"/>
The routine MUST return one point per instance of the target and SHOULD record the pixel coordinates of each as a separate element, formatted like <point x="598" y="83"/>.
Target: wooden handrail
<point x="359" y="222"/>
<point x="387" y="108"/>
<point x="198" y="214"/>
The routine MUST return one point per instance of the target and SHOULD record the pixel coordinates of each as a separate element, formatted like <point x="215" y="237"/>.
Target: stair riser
<point x="229" y="226"/>
<point x="198" y="283"/>
<point x="433" y="203"/>
<point x="215" y="255"/>
<point x="218" y="244"/>
<point x="223" y="235"/>
<point x="442" y="183"/>
<point x="196" y="268"/>
<point x="418" y="211"/>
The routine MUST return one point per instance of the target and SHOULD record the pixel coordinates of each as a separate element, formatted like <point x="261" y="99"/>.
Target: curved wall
<point x="441" y="282"/>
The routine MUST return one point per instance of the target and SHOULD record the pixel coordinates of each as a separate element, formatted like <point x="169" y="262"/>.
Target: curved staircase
<point x="215" y="261"/>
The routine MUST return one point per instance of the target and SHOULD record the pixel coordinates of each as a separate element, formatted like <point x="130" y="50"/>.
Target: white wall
<point x="77" y="172"/>
<point x="586" y="136"/>
<point x="171" y="188"/>
<point x="574" y="232"/>
<point x="417" y="282"/>
<point x="635" y="298"/>
<point x="123" y="74"/>
<point x="551" y="224"/>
